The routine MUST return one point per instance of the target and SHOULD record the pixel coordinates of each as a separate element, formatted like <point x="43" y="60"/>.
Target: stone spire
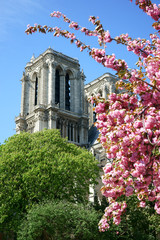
<point x="32" y="58"/>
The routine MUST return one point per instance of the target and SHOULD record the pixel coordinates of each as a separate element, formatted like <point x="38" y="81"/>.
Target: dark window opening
<point x="75" y="133"/>
<point x="94" y="114"/>
<point x="67" y="92"/>
<point x="69" y="135"/>
<point x="78" y="135"/>
<point x="57" y="87"/>
<point x="59" y="126"/>
<point x="71" y="132"/>
<point x="36" y="91"/>
<point x="94" y="117"/>
<point x="100" y="93"/>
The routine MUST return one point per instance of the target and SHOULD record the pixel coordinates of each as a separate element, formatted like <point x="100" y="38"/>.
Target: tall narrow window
<point x="94" y="114"/>
<point x="71" y="132"/>
<point x="67" y="92"/>
<point x="100" y="93"/>
<point x="57" y="87"/>
<point x="59" y="125"/>
<point x="36" y="91"/>
<point x="78" y="132"/>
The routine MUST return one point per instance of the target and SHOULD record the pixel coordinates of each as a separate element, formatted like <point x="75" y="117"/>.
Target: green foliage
<point x="65" y="220"/>
<point x="61" y="221"/>
<point x="39" y="166"/>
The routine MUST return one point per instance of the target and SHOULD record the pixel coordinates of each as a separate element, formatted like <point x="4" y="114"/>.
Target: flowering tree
<point x="129" y="122"/>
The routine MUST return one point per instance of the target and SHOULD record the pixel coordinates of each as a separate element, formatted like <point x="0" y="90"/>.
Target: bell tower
<point x="53" y="97"/>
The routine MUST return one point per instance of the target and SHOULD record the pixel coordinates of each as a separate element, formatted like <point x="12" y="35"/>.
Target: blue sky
<point x="16" y="48"/>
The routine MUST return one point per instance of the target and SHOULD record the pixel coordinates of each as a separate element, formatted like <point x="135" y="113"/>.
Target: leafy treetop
<point x="41" y="166"/>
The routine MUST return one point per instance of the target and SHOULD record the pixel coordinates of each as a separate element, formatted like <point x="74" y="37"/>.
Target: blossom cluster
<point x="114" y="211"/>
<point x="129" y="132"/>
<point x="152" y="10"/>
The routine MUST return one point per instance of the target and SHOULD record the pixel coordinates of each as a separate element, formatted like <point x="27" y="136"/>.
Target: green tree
<point x="65" y="220"/>
<point x="39" y="166"/>
<point x="60" y="220"/>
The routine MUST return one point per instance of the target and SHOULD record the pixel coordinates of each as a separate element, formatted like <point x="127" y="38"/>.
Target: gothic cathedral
<point x="54" y="96"/>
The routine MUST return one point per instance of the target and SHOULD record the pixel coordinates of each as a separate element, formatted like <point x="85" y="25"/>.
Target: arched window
<point x="57" y="87"/>
<point x="67" y="92"/>
<point x="36" y="91"/>
<point x="100" y="93"/>
<point x="94" y="113"/>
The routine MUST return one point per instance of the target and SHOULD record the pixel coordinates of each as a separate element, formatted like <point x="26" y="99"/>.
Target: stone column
<point x="74" y="132"/>
<point x="39" y="119"/>
<point x="91" y="114"/>
<point x="62" y="91"/>
<point x="54" y="122"/>
<point x="86" y="105"/>
<point x="52" y="118"/>
<point x="23" y="95"/>
<point x="86" y="131"/>
<point x="103" y="91"/>
<point x="83" y="135"/>
<point x="72" y="95"/>
<point x="77" y="95"/>
<point x="111" y="88"/>
<point x="31" y="95"/>
<point x="44" y="84"/>
<point x="51" y="83"/>
<point x="66" y="128"/>
<point x="63" y="128"/>
<point x="82" y="91"/>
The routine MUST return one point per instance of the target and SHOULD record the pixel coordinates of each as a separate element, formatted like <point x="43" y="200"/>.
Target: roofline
<point x="50" y="50"/>
<point x="100" y="78"/>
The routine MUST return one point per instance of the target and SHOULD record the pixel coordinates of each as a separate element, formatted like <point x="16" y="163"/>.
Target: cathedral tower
<point x="53" y="97"/>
